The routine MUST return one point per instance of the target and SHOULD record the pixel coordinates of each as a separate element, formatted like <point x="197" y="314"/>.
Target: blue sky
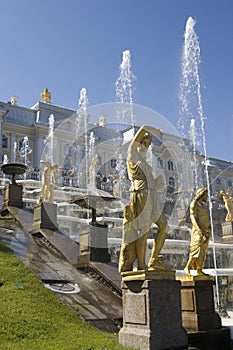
<point x="72" y="44"/>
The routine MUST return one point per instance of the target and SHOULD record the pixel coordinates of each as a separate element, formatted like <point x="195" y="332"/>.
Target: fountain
<point x="50" y="142"/>
<point x="120" y="168"/>
<point x="14" y="152"/>
<point x="94" y="233"/>
<point x="192" y="134"/>
<point x="51" y="137"/>
<point x="191" y="106"/>
<point x="13" y="191"/>
<point x="124" y="113"/>
<point x="192" y="116"/>
<point x="81" y="125"/>
<point x="25" y="150"/>
<point x="124" y="91"/>
<point x="191" y="121"/>
<point x="93" y="162"/>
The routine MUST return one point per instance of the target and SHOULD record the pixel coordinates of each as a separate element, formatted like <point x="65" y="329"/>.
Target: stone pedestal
<point x="84" y="250"/>
<point x="152" y="312"/>
<point x="197" y="302"/>
<point x="99" y="243"/>
<point x="13" y="196"/>
<point x="199" y="318"/>
<point x="94" y="243"/>
<point x="227" y="232"/>
<point x="45" y="217"/>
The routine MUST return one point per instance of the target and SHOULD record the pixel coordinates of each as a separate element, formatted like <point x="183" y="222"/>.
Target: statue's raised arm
<point x="142" y="137"/>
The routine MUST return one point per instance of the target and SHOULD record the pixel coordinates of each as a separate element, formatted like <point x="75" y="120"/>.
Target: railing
<point x="63" y="180"/>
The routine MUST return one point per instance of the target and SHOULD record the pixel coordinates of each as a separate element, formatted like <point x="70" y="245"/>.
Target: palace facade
<point x="74" y="149"/>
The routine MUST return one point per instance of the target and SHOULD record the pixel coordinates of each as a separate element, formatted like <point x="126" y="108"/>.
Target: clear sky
<point x="68" y="45"/>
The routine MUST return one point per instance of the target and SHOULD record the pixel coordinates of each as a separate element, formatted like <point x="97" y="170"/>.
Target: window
<point x="170" y="165"/>
<point x="171" y="181"/>
<point x="113" y="163"/>
<point x="4" y="141"/>
<point x="160" y="163"/>
<point x="20" y="144"/>
<point x="68" y="150"/>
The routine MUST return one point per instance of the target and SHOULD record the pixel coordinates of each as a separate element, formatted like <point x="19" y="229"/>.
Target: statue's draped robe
<point x="143" y="210"/>
<point x="199" y="242"/>
<point x="229" y="207"/>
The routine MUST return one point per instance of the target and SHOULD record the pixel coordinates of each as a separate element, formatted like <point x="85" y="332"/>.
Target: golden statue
<point x="46" y="96"/>
<point x="48" y="187"/>
<point x="200" y="234"/>
<point x="115" y="187"/>
<point x="93" y="171"/>
<point x="144" y="207"/>
<point x="227" y="198"/>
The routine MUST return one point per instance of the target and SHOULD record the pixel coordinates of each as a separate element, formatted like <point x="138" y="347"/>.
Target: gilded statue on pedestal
<point x="227" y="198"/>
<point x="144" y="207"/>
<point x="93" y="171"/>
<point x="48" y="187"/>
<point x="46" y="96"/>
<point x="200" y="234"/>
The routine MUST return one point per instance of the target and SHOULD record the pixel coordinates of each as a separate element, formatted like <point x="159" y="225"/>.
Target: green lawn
<point x="32" y="317"/>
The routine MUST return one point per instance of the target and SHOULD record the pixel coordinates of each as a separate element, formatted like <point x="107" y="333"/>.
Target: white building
<point x="170" y="157"/>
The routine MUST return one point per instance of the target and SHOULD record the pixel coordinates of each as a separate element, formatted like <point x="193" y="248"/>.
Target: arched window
<point x="113" y="163"/>
<point x="171" y="181"/>
<point x="170" y="164"/>
<point x="160" y="163"/>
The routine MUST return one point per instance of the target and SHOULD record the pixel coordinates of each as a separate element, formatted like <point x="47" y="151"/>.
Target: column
<point x="13" y="140"/>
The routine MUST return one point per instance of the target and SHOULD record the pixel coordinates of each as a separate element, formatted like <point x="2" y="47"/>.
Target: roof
<point x="18" y="114"/>
<point x="103" y="133"/>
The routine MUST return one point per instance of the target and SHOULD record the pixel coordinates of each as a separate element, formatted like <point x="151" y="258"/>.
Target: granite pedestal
<point x="13" y="192"/>
<point x="227" y="232"/>
<point x="199" y="318"/>
<point x="45" y="217"/>
<point x="13" y="196"/>
<point x="99" y="243"/>
<point x="94" y="243"/>
<point x="152" y="311"/>
<point x="197" y="301"/>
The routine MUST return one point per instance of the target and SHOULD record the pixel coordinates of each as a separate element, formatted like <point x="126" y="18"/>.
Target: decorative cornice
<point x="2" y="113"/>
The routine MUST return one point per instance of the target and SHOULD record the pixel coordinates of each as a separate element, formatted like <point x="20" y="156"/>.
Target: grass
<point x="33" y="318"/>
